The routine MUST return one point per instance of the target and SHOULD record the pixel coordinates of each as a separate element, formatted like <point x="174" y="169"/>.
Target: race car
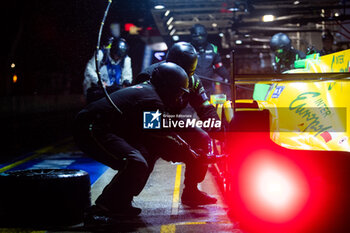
<point x="315" y="106"/>
<point x="289" y="163"/>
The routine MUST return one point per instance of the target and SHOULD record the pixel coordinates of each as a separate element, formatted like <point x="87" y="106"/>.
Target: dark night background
<point x="56" y="38"/>
<point x="50" y="43"/>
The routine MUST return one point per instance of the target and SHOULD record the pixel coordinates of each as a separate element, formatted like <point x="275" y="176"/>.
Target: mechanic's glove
<point x="195" y="155"/>
<point x="202" y="155"/>
<point x="208" y="157"/>
<point x="212" y="158"/>
<point x="311" y="50"/>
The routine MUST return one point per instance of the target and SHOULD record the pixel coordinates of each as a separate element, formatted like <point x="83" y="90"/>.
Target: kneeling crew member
<point x="185" y="55"/>
<point x="119" y="141"/>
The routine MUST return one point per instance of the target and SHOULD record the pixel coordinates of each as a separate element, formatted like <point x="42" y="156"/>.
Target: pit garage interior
<point x="245" y="26"/>
<point x="38" y="110"/>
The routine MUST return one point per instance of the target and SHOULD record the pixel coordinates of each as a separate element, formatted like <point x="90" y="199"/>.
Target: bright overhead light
<point x="172" y="32"/>
<point x="336" y="14"/>
<point x="238" y="42"/>
<point x="268" y="18"/>
<point x="176" y="38"/>
<point x="159" y="7"/>
<point x="234" y="9"/>
<point x="170" y="20"/>
<point x="167" y="13"/>
<point x="214" y="25"/>
<point x="159" y="46"/>
<point x="170" y="27"/>
<point x="221" y="34"/>
<point x="296" y="2"/>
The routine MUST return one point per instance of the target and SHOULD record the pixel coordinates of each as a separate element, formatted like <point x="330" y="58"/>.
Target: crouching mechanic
<point x="184" y="55"/>
<point x="119" y="141"/>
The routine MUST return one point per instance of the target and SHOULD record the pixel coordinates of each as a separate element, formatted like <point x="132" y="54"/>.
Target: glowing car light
<point x="272" y="187"/>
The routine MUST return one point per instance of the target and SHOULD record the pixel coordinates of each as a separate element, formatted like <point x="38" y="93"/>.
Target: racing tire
<point x="44" y="197"/>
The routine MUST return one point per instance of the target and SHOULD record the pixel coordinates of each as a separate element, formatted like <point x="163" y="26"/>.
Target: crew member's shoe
<point x="195" y="197"/>
<point x="96" y="216"/>
<point x="126" y="210"/>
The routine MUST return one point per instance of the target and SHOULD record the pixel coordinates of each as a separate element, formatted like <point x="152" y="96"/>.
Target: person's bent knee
<point x="135" y="160"/>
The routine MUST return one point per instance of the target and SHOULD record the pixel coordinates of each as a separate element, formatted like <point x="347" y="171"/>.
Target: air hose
<point x="97" y="62"/>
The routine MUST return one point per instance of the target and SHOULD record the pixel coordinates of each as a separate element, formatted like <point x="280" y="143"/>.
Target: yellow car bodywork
<point x="309" y="113"/>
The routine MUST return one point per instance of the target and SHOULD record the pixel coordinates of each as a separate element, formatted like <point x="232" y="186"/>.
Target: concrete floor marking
<point x="171" y="228"/>
<point x="15" y="230"/>
<point x="176" y="194"/>
<point x="21" y="161"/>
<point x="36" y="154"/>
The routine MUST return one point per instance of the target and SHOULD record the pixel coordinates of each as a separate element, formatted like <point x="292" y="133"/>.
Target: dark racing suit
<point x="196" y="137"/>
<point x="209" y="63"/>
<point x="197" y="97"/>
<point x="120" y="142"/>
<point x="286" y="60"/>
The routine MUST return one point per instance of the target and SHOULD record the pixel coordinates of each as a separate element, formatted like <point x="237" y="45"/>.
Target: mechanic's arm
<point x="90" y="74"/>
<point x="204" y="109"/>
<point x="171" y="147"/>
<point x="220" y="69"/>
<point x="143" y="76"/>
<point x="276" y="65"/>
<point x="300" y="55"/>
<point x="199" y="100"/>
<point x="127" y="72"/>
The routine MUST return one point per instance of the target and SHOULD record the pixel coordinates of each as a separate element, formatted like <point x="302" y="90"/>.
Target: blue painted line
<point x="45" y="158"/>
<point x="37" y="153"/>
<point x="76" y="160"/>
<point x="95" y="169"/>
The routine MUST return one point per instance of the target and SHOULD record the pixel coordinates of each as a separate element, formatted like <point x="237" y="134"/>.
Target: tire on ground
<point x="44" y="197"/>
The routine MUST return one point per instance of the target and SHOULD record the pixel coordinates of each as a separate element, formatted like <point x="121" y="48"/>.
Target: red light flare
<point x="275" y="189"/>
<point x="272" y="187"/>
<point x="128" y="26"/>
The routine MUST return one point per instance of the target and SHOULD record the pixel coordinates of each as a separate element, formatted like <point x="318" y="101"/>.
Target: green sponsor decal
<point x="298" y="105"/>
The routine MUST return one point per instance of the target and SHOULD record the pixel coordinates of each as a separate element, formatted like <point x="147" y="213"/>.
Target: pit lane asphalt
<point x="162" y="210"/>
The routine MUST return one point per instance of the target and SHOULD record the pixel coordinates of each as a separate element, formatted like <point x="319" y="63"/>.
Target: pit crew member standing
<point x="327" y="43"/>
<point x="115" y="70"/>
<point x="184" y="55"/>
<point x="284" y="53"/>
<point x="209" y="60"/>
<point x="119" y="140"/>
